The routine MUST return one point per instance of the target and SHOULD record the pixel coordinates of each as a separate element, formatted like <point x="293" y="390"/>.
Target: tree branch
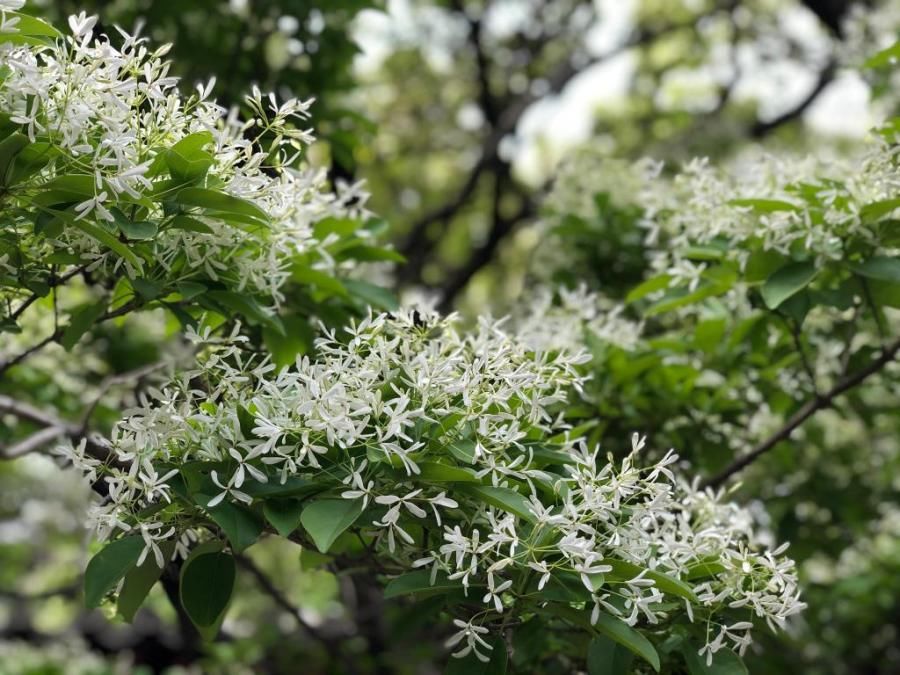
<point x="331" y="645"/>
<point x="500" y="227"/>
<point x="54" y="427"/>
<point x="805" y="412"/>
<point x="417" y="246"/>
<point x="53" y="283"/>
<point x="58" y="333"/>
<point x="826" y="75"/>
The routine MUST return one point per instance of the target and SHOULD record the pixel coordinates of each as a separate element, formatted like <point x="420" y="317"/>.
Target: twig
<point x="826" y="75"/>
<point x="6" y="365"/>
<point x="34" y="297"/>
<point x="33" y="442"/>
<point x="417" y="246"/>
<point x="805" y="412"/>
<point x="331" y="645"/>
<point x="54" y="427"/>
<point x="122" y="378"/>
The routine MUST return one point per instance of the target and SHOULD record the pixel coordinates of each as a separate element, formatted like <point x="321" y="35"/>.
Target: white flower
<point x="82" y="26"/>
<point x="151" y="534"/>
<point x="474" y="642"/>
<point x="543" y="570"/>
<point x="227" y="490"/>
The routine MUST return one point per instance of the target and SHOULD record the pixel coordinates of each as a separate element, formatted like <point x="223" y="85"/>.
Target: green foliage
<point x="108" y="567"/>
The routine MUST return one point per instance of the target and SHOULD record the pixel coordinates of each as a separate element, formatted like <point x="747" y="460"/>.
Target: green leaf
<point x="876" y="210"/>
<point x="306" y="276"/>
<point x="445" y="473"/>
<point x="651" y="285"/>
<point x="882" y="268"/>
<point x="240" y="524"/>
<point x="680" y="297"/>
<point x="724" y="662"/>
<point x="884" y="293"/>
<point x="296" y="339"/>
<point x="502" y="498"/>
<point x="463" y="449"/>
<point x="472" y="665"/>
<point x="81" y="322"/>
<point x="888" y="56"/>
<point x="613" y="628"/>
<point x="762" y="264"/>
<point x="325" y="520"/>
<point x="63" y="189"/>
<point x="608" y="657"/>
<point x="247" y="306"/>
<point x="343" y="227"/>
<point x="106" y="568"/>
<point x="418" y="582"/>
<point x="104" y="238"/>
<point x="294" y="486"/>
<point x="29" y="25"/>
<point x="190" y="289"/>
<point x="787" y="281"/>
<point x="370" y="294"/>
<point x="623" y="571"/>
<point x="139" y="230"/>
<point x="149" y="290"/>
<point x="704" y="569"/>
<point x="283" y="514"/>
<point x="187" y="159"/>
<point x="10" y="147"/>
<point x="214" y="200"/>
<point x="764" y="205"/>
<point x="190" y="225"/>
<point x="207" y="584"/>
<point x="139" y="581"/>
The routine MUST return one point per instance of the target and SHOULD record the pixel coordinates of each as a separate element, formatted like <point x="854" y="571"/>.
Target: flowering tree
<point x="456" y="467"/>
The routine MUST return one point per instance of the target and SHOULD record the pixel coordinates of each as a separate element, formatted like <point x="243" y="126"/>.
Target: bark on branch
<point x="806" y="411"/>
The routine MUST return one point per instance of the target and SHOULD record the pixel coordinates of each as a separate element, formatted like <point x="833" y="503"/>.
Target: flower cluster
<point x="113" y="142"/>
<point x="819" y="207"/>
<point x="447" y="448"/>
<point x="547" y="325"/>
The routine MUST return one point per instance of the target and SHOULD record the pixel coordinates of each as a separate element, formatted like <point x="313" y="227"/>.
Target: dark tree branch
<point x="804" y="413"/>
<point x="501" y="226"/>
<point x="331" y="644"/>
<point x="53" y="283"/>
<point x="417" y="246"/>
<point x="55" y="427"/>
<point x="50" y="423"/>
<point x="486" y="99"/>
<point x="58" y="333"/>
<point x="826" y="75"/>
<point x="830" y="12"/>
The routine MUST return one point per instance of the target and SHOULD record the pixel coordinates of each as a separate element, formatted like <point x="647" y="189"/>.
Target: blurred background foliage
<point x="456" y="114"/>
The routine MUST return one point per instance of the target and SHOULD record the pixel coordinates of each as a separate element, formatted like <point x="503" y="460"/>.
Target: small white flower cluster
<point x="761" y="201"/>
<point x="626" y="183"/>
<point x="546" y="324"/>
<point x="867" y="30"/>
<point x="403" y="384"/>
<point x="448" y="443"/>
<point x="110" y="114"/>
<point x="643" y="517"/>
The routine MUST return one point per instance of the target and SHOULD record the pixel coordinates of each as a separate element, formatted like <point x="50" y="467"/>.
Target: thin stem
<point x="804" y="413"/>
<point x="332" y="646"/>
<point x="6" y="365"/>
